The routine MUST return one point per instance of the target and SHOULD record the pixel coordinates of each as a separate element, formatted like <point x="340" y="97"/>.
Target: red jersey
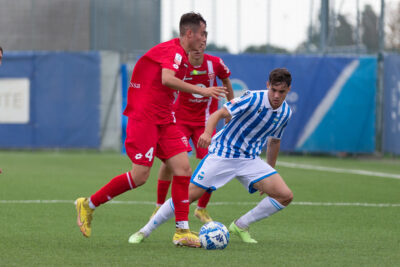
<point x="194" y="109"/>
<point x="148" y="99"/>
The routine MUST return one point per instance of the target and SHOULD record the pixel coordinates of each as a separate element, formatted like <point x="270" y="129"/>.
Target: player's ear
<point x="268" y="84"/>
<point x="189" y="33"/>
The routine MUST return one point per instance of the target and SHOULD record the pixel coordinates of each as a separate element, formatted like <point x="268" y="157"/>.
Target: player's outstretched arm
<point x="273" y="147"/>
<point x="205" y="138"/>
<point x="168" y="79"/>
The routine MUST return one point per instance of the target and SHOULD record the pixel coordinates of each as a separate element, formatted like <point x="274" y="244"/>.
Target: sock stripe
<point x="171" y="203"/>
<point x="276" y="204"/>
<point x="128" y="176"/>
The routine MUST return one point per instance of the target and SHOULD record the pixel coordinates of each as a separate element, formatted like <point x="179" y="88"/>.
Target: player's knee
<point x="286" y="197"/>
<point x="140" y="177"/>
<point x="184" y="170"/>
<point x="195" y="192"/>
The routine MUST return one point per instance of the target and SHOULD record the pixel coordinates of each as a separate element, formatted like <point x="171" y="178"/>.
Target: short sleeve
<point x="222" y="71"/>
<point x="239" y="104"/>
<point x="172" y="60"/>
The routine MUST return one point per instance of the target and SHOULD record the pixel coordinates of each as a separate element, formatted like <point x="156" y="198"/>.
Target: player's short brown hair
<point x="280" y="75"/>
<point x="190" y="20"/>
<point x="1" y="49"/>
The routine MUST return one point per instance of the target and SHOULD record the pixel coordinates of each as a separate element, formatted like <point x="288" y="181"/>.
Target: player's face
<point x="198" y="38"/>
<point x="197" y="54"/>
<point x="277" y="94"/>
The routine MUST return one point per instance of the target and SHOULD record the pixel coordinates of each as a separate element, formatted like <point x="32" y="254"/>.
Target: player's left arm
<point x="228" y="85"/>
<point x="229" y="96"/>
<point x="273" y="147"/>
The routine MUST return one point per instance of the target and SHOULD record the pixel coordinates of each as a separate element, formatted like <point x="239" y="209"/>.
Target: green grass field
<point x="315" y="230"/>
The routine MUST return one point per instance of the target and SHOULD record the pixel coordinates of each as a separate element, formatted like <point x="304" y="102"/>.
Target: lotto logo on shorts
<point x="185" y="141"/>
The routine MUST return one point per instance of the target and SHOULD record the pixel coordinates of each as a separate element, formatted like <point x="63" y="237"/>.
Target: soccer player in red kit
<point x="151" y="129"/>
<point x="192" y="112"/>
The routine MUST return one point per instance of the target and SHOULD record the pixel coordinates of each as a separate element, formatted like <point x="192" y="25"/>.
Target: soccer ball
<point x="214" y="235"/>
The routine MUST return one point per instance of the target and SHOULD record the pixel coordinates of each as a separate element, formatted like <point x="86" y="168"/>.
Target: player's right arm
<point x="168" y="79"/>
<point x="205" y="138"/>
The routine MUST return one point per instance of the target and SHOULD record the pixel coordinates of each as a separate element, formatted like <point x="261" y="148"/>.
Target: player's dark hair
<point x="190" y="20"/>
<point x="280" y="75"/>
<point x="1" y="49"/>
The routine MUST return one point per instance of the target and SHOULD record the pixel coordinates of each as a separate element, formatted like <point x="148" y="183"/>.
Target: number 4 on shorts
<point x="149" y="154"/>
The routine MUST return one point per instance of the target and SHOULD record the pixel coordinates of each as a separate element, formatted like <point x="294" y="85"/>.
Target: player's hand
<point x="215" y="92"/>
<point x="204" y="140"/>
<point x="227" y="120"/>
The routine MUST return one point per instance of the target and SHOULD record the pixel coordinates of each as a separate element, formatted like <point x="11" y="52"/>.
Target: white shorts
<point x="214" y="172"/>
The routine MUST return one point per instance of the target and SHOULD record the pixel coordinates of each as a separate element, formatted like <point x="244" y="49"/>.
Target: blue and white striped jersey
<point x="253" y="121"/>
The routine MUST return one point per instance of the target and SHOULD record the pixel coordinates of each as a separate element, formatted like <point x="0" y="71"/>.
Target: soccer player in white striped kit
<point x="256" y="118"/>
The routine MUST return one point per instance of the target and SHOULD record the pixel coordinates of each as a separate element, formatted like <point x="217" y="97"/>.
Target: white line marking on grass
<point x="127" y="202"/>
<point x="337" y="170"/>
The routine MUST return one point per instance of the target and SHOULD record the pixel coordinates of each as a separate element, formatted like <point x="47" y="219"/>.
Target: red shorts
<point x="145" y="140"/>
<point x="194" y="132"/>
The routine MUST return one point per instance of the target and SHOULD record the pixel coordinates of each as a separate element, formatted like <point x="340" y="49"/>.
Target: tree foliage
<point x="214" y="47"/>
<point x="369" y="24"/>
<point x="393" y="26"/>
<point x="270" y="49"/>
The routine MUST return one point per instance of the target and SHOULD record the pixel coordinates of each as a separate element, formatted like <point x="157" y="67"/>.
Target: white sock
<point x="182" y="224"/>
<point x="264" y="209"/>
<point x="91" y="205"/>
<point x="165" y="213"/>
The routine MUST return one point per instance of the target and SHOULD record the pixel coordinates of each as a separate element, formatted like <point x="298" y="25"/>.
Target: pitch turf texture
<point x="316" y="230"/>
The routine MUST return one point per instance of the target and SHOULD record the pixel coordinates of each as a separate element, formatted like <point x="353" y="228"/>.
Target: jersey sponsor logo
<point x="199" y="100"/>
<point x="176" y="66"/>
<point x="187" y="78"/>
<point x="138" y="156"/>
<point x="197" y="95"/>
<point x="197" y="72"/>
<point x="178" y="59"/>
<point x="135" y="85"/>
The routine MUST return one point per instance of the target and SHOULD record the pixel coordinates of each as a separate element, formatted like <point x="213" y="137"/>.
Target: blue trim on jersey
<point x="232" y="125"/>
<point x="281" y="131"/>
<point x="238" y="104"/>
<point x="275" y="204"/>
<point x="251" y="188"/>
<point x="264" y="136"/>
<point x="257" y="137"/>
<point x="249" y="128"/>
<point x="198" y="167"/>
<point x="253" y="121"/>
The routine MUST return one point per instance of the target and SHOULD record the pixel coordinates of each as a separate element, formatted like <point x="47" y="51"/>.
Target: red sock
<point x="203" y="201"/>
<point x="180" y="197"/>
<point x="115" y="187"/>
<point x="162" y="191"/>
